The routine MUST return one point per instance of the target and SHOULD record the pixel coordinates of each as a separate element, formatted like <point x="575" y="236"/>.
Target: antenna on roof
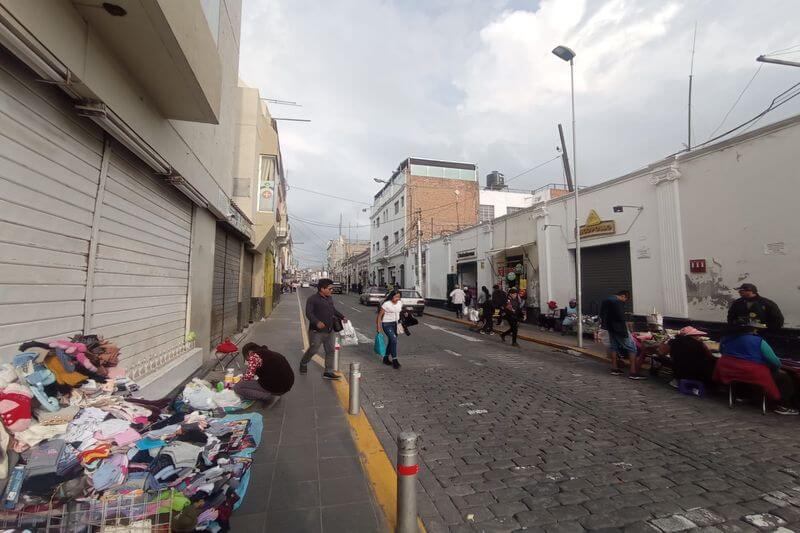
<point x="691" y="72"/>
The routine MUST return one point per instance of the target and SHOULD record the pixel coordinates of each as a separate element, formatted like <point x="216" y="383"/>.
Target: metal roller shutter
<point x="218" y="288"/>
<point x="247" y="290"/>
<point x="142" y="270"/>
<point x="233" y="255"/>
<point x="49" y="172"/>
<point x="604" y="271"/>
<point x="225" y="289"/>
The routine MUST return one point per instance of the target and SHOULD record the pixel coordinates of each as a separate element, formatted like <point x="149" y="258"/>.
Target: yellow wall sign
<point x="595" y="227"/>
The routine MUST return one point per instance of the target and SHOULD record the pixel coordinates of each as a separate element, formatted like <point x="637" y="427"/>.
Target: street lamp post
<point x="567" y="54"/>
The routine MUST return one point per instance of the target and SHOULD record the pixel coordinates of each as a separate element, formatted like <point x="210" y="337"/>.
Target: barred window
<point x="485" y="213"/>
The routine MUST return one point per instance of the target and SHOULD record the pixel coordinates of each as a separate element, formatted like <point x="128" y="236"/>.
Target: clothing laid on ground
<point x="691" y="359"/>
<point x="758" y="309"/>
<point x="321" y="309"/>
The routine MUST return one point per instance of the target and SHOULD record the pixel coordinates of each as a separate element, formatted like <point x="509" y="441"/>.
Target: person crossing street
<point x="458" y="297"/>
<point x="513" y="312"/>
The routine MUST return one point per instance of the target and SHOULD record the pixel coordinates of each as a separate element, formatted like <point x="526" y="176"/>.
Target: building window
<point x="510" y="209"/>
<point x="403" y="234"/>
<point x="396" y="207"/>
<point x="386" y="243"/>
<point x="485" y="213"/>
<point x="397" y="237"/>
<point x="402" y="201"/>
<point x="378" y="246"/>
<point x="378" y="222"/>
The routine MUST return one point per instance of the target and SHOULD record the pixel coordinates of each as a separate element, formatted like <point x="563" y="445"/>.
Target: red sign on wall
<point x="697" y="266"/>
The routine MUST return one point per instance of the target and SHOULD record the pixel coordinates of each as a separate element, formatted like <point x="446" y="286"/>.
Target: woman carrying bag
<point x="388" y="318"/>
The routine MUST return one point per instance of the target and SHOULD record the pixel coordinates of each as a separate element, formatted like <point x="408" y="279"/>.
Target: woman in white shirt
<point x="388" y="317"/>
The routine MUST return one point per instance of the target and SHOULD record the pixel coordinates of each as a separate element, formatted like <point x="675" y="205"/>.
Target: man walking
<point x="321" y="313"/>
<point x="499" y="299"/>
<point x="458" y="297"/>
<point x="514" y="312"/>
<point x="612" y="319"/>
<point x="752" y="307"/>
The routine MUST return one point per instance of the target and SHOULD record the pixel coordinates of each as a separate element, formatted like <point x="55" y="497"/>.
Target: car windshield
<point x="409" y="294"/>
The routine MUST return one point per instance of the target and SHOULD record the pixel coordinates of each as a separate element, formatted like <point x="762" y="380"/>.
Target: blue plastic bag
<point x="380" y="345"/>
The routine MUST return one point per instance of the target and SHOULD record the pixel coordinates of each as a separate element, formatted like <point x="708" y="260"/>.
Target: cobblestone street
<point x="540" y="440"/>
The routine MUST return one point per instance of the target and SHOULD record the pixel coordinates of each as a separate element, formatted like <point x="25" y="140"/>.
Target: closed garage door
<point x="247" y="289"/>
<point x="604" y="271"/>
<point x="225" y="290"/>
<point x="142" y="270"/>
<point x="49" y="172"/>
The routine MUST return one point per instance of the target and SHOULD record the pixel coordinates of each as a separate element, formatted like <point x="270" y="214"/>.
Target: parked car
<point x="305" y="285"/>
<point x="337" y="287"/>
<point x="412" y="300"/>
<point x="372" y="295"/>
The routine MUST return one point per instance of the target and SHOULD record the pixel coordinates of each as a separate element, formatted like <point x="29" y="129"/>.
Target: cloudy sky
<point x="475" y="81"/>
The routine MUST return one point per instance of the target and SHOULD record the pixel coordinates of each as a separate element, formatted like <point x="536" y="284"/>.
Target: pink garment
<point x="129" y="436"/>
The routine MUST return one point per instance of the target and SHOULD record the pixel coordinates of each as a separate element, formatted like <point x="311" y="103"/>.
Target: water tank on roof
<point x="495" y="181"/>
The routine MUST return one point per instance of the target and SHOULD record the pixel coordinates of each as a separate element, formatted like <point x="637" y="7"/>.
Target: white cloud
<point x="475" y="80"/>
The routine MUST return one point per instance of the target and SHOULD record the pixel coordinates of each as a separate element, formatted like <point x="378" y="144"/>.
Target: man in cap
<point x="751" y="307"/>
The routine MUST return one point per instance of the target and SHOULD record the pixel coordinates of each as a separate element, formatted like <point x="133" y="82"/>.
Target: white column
<point x="673" y="264"/>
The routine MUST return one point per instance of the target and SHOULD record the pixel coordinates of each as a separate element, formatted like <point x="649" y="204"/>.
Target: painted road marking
<point x="451" y="352"/>
<point x="465" y="337"/>
<point x="354" y="309"/>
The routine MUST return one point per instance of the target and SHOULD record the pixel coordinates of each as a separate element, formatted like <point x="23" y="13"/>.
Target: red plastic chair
<point x="226" y="352"/>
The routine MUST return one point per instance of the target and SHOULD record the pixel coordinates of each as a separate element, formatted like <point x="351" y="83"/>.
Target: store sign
<point x="466" y="255"/>
<point x="595" y="227"/>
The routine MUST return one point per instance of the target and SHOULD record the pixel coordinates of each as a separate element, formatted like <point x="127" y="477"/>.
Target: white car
<point x="412" y="300"/>
<point x="305" y="285"/>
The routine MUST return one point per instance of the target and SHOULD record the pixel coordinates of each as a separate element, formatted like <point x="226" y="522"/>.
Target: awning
<point x="512" y="247"/>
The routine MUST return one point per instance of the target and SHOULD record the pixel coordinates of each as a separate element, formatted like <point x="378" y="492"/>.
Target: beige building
<point x="339" y="252"/>
<point x="259" y="188"/>
<point x="119" y="126"/>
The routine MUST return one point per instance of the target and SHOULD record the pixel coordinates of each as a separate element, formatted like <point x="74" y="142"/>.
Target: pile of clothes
<point x="73" y="438"/>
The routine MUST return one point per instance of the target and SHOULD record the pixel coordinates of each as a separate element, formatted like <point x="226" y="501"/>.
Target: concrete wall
<point x="738" y="205"/>
<point x="502" y="200"/>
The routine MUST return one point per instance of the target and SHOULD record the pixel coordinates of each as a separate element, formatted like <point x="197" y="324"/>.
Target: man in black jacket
<point x="499" y="299"/>
<point x="751" y="307"/>
<point x="612" y="319"/>
<point x="321" y="314"/>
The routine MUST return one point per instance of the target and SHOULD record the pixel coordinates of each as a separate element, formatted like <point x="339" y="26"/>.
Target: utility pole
<point x="691" y="73"/>
<point x="419" y="251"/>
<point x="565" y="158"/>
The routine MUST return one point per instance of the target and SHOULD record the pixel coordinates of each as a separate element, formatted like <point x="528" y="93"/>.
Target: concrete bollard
<point x="355" y="401"/>
<point x="336" y="349"/>
<point x="407" y="469"/>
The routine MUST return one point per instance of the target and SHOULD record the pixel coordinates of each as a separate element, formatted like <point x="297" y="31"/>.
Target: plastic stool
<point x="692" y="387"/>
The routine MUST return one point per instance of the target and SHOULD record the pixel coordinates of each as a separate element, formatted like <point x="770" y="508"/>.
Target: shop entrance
<point x="604" y="271"/>
<point x="468" y="275"/>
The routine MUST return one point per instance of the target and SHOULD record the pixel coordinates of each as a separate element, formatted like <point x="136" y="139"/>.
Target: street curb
<point x="564" y="347"/>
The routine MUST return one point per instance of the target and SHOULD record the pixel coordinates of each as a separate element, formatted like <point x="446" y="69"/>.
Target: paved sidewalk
<point x="307" y="476"/>
<point x="529" y="332"/>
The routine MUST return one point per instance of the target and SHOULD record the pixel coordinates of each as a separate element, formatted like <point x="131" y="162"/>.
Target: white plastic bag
<point x="474" y="315"/>
<point x="348" y="335"/>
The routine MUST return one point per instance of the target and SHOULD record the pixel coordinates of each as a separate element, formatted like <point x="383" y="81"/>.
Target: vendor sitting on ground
<point x="748" y="358"/>
<point x="689" y="355"/>
<point x="268" y="374"/>
<point x="548" y="319"/>
<point x="570" y="316"/>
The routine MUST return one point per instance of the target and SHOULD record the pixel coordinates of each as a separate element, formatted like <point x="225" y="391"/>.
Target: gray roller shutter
<point x="49" y="172"/>
<point x="604" y="271"/>
<point x="247" y="289"/>
<point x="218" y="288"/>
<point x="225" y="289"/>
<point x="142" y="270"/>
<point x="233" y="257"/>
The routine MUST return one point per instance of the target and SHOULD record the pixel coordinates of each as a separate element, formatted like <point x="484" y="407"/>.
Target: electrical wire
<point x="532" y="168"/>
<point x="778" y="101"/>
<point x="741" y="94"/>
<point x="327" y="195"/>
<point x="785" y="51"/>
<point x="330" y="225"/>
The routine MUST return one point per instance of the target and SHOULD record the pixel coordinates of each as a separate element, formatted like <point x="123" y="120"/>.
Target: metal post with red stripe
<point x="407" y="469"/>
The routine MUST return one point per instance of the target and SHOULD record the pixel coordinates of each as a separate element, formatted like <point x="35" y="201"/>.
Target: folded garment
<point x="108" y="429"/>
<point x="183" y="454"/>
<point x="65" y="415"/>
<point x="147" y="443"/>
<point x="111" y="472"/>
<point x="129" y="436"/>
<point x="36" y="434"/>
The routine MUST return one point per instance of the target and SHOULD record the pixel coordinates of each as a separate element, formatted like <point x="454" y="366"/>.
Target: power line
<point x="747" y="86"/>
<point x="329" y="225"/>
<point x="533" y="168"/>
<point x="327" y="195"/>
<point x="778" y="101"/>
